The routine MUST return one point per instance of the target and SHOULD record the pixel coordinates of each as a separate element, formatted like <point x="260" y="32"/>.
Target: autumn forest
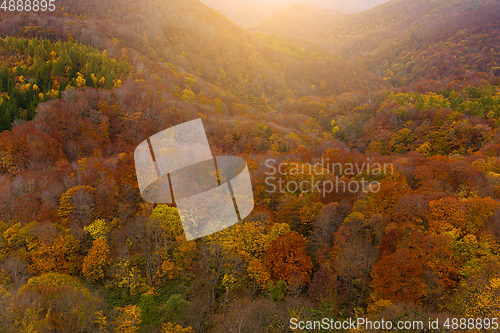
<point x="414" y="85"/>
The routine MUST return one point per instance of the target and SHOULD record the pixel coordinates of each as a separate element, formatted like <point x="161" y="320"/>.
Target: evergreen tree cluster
<point x="37" y="70"/>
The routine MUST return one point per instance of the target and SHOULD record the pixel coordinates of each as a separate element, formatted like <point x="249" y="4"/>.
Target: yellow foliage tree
<point x="170" y="219"/>
<point x="54" y="280"/>
<point x="129" y="319"/>
<point x="80" y="81"/>
<point x="425" y="149"/>
<point x="65" y="208"/>
<point x="187" y="95"/>
<point x="99" y="228"/>
<point x="96" y="260"/>
<point x="129" y="277"/>
<point x="248" y="239"/>
<point x="276" y="142"/>
<point x="62" y="304"/>
<point x="101" y="321"/>
<point x="335" y="127"/>
<point x="259" y="272"/>
<point x="174" y="328"/>
<point x="481" y="301"/>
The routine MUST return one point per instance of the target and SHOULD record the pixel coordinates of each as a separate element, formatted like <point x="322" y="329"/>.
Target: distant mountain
<point x="246" y="14"/>
<point x="251" y="13"/>
<point x="203" y="42"/>
<point x="299" y="20"/>
<point x="354" y="6"/>
<point x="404" y="40"/>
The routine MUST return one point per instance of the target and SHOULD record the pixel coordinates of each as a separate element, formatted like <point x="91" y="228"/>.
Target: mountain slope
<point x="403" y="41"/>
<point x="299" y="20"/>
<point x="246" y="14"/>
<point x="251" y="13"/>
<point x="468" y="41"/>
<point x="205" y="43"/>
<point x="76" y="234"/>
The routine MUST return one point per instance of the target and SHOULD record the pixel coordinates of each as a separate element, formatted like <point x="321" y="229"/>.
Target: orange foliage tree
<point x="287" y="260"/>
<point x="398" y="277"/>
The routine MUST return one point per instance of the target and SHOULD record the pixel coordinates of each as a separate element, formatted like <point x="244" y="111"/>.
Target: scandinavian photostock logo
<point x="176" y="166"/>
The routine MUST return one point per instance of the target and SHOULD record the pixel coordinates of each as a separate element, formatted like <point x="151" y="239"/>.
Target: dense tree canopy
<point x="400" y="215"/>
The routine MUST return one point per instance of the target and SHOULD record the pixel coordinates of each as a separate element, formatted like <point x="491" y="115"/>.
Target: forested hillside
<point x="246" y="14"/>
<point x="250" y="13"/>
<point x="34" y="71"/>
<point x="400" y="217"/>
<point x="299" y="21"/>
<point x="205" y="43"/>
<point x="404" y="41"/>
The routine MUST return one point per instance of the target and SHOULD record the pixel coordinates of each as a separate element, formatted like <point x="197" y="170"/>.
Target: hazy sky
<point x="328" y="4"/>
<point x="250" y="13"/>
